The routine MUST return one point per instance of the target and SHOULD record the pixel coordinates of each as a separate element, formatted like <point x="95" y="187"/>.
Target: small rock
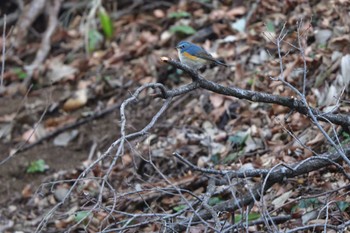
<point x="60" y="193"/>
<point x="322" y="36"/>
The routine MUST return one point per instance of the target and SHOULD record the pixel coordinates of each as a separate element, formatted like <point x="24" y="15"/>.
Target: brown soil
<point x="13" y="175"/>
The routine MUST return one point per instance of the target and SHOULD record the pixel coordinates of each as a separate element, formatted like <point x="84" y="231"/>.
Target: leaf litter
<point x="209" y="130"/>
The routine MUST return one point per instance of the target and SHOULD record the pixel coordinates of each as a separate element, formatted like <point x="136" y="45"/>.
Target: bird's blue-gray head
<point x="183" y="45"/>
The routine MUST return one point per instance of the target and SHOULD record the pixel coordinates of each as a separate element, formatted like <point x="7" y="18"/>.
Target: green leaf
<point x="106" y="23"/>
<point x="239" y="138"/>
<point x="187" y="30"/>
<point x="179" y="14"/>
<point x="214" y="200"/>
<point x="346" y="139"/>
<point x="178" y="72"/>
<point x="37" y="166"/>
<point x="250" y="82"/>
<point x="232" y="157"/>
<point x="179" y="208"/>
<point x="95" y="38"/>
<point x="20" y="73"/>
<point x="215" y="159"/>
<point x="346" y="135"/>
<point x="270" y="26"/>
<point x="251" y="216"/>
<point x="343" y="205"/>
<point x="80" y="215"/>
<point x="310" y="202"/>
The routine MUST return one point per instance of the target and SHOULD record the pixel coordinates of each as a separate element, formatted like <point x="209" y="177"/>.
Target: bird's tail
<point x="220" y="63"/>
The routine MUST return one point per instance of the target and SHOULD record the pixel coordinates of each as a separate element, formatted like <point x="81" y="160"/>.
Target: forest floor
<point x="60" y="112"/>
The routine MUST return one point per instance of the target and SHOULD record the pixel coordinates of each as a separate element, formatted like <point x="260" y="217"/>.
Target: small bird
<point x="195" y="56"/>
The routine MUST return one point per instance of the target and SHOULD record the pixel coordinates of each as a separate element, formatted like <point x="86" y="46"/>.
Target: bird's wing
<point x="204" y="55"/>
<point x="201" y="53"/>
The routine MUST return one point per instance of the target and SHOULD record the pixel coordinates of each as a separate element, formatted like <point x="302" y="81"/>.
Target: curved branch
<point x="303" y="167"/>
<point x="291" y="103"/>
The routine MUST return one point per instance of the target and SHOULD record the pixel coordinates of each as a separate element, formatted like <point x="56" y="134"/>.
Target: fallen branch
<point x="69" y="126"/>
<point x="30" y="13"/>
<point x="45" y="46"/>
<point x="280" y="175"/>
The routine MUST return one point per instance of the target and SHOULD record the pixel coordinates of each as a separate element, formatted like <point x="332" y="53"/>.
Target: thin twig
<point x="3" y="58"/>
<point x="231" y="173"/>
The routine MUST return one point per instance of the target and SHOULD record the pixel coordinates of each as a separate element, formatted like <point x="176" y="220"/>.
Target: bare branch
<point x="231" y="173"/>
<point x="277" y="175"/>
<point x="292" y="103"/>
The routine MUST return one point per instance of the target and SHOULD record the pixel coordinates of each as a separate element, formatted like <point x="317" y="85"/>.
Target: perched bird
<point x="195" y="56"/>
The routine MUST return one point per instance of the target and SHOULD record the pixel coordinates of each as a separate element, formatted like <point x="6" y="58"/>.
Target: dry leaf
<point x="57" y="70"/>
<point x="64" y="138"/>
<point x="216" y="100"/>
<point x="79" y="100"/>
<point x="279" y="201"/>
